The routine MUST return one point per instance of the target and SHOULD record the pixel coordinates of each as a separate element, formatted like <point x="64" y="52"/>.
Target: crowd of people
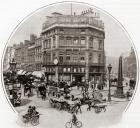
<point x="30" y="83"/>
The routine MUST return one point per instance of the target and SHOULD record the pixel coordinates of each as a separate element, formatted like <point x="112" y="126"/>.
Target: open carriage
<point x="58" y="99"/>
<point x="34" y="120"/>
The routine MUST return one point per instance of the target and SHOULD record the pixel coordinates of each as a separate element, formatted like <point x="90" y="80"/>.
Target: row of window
<point x="71" y="31"/>
<point x="82" y="31"/>
<point x="38" y="50"/>
<point x="73" y="58"/>
<point x="70" y="41"/>
<point x="38" y="58"/>
<point x="74" y="69"/>
<point x="38" y="42"/>
<point x="38" y="67"/>
<point x="93" y="57"/>
<point x="67" y="69"/>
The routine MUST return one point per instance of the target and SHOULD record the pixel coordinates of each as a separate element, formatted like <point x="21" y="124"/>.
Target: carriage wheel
<point x="60" y="106"/>
<point x="68" y="125"/>
<point x="25" y="120"/>
<point x="79" y="124"/>
<point x="54" y="104"/>
<point x="98" y="110"/>
<point x="35" y="121"/>
<point x="51" y="103"/>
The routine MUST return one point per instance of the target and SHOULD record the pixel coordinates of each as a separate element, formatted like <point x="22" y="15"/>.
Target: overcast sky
<point x="116" y="40"/>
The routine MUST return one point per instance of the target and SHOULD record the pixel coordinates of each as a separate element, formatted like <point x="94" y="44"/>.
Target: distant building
<point x="114" y="61"/>
<point x="25" y="54"/>
<point x="38" y="54"/>
<point x="130" y="65"/>
<point x="21" y="55"/>
<point x="9" y="55"/>
<point x="31" y="54"/>
<point x="77" y="42"/>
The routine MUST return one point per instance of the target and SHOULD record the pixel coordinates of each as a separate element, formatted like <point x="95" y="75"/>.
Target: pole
<point x="71" y="9"/>
<point x="109" y="95"/>
<point x="56" y="73"/>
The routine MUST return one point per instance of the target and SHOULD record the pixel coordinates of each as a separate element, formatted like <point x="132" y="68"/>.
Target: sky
<point x="116" y="40"/>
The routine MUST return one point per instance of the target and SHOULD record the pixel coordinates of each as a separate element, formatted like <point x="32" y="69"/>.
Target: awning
<point x="19" y="72"/>
<point x="24" y="72"/>
<point x="28" y="73"/>
<point x="38" y="74"/>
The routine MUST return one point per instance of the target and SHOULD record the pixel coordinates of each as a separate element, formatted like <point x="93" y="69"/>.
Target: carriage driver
<point x="35" y="113"/>
<point x="29" y="112"/>
<point x="74" y="118"/>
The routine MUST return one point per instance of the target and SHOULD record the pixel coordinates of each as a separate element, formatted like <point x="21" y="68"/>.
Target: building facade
<point x="130" y="65"/>
<point x="21" y="55"/>
<point x="9" y="55"/>
<point x="77" y="42"/>
<point x="38" y="54"/>
<point x="31" y="54"/>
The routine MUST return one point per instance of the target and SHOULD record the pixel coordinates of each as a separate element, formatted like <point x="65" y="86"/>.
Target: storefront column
<point x="71" y="79"/>
<point x="87" y="60"/>
<point x="87" y="42"/>
<point x="56" y="73"/>
<point x="51" y="42"/>
<point x="87" y="67"/>
<point x="57" y="41"/>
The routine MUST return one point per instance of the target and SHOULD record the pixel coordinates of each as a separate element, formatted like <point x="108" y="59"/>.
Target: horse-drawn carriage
<point x="14" y="93"/>
<point x="97" y="102"/>
<point x="59" y="99"/>
<point x="62" y="101"/>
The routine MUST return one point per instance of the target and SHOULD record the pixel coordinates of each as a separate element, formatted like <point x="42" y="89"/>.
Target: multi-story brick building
<point x="130" y="65"/>
<point x="31" y="53"/>
<point x="25" y="54"/>
<point x="9" y="55"/>
<point x="38" y="54"/>
<point x="77" y="41"/>
<point x="21" y="55"/>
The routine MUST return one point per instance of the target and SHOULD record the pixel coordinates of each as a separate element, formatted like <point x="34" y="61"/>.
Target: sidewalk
<point x="118" y="99"/>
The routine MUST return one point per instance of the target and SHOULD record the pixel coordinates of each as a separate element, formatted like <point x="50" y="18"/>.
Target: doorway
<point x="78" y="78"/>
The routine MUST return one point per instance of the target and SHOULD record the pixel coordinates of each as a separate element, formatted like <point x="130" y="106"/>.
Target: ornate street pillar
<point x="119" y="92"/>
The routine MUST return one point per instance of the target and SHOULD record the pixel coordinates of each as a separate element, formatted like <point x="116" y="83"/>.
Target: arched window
<point x="83" y="40"/>
<point x="69" y="41"/>
<point x="61" y="41"/>
<point x="75" y="40"/>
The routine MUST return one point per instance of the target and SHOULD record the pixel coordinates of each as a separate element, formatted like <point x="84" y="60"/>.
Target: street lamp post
<point x="109" y="72"/>
<point x="56" y="68"/>
<point x="12" y="65"/>
<point x="12" y="79"/>
<point x="13" y="69"/>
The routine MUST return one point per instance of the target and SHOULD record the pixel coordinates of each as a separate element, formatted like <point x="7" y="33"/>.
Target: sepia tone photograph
<point x="69" y="65"/>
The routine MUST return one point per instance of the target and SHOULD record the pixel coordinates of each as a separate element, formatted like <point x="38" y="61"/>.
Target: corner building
<point x="77" y="41"/>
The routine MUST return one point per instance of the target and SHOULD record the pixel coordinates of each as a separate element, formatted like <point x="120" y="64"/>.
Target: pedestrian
<point x="79" y="106"/>
<point x="89" y="106"/>
<point x="128" y="95"/>
<point x="28" y="93"/>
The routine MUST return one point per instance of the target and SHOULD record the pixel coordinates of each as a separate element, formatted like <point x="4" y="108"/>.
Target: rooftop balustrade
<point x="73" y="20"/>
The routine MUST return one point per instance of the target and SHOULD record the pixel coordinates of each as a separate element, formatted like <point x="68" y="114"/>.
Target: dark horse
<point x="132" y="84"/>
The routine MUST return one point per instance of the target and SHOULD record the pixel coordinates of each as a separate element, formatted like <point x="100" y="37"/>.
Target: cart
<point x="100" y="107"/>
